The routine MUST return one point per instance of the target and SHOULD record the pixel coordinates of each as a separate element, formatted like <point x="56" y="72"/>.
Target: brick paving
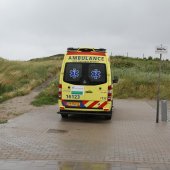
<point x="131" y="140"/>
<point x="61" y="165"/>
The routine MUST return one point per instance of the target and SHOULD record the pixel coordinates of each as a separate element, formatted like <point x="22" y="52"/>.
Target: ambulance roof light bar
<point x="86" y="50"/>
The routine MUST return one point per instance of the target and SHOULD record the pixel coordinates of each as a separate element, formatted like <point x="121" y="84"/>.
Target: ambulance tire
<point x="64" y="116"/>
<point x="109" y="117"/>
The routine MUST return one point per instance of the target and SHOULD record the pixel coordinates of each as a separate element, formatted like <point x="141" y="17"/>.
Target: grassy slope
<point x="137" y="79"/>
<point x="20" y="77"/>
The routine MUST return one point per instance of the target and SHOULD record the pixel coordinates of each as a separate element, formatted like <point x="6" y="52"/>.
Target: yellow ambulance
<point x="85" y="85"/>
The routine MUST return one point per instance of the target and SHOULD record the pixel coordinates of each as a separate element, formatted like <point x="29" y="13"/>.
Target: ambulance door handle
<point x="88" y="91"/>
<point x="100" y="88"/>
<point x="68" y="87"/>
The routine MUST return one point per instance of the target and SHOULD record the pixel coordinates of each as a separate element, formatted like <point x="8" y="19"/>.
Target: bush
<point x="149" y="58"/>
<point x="48" y="96"/>
<point x="5" y="88"/>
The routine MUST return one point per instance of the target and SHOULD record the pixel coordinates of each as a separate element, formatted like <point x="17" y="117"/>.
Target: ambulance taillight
<point x="109" y="97"/>
<point x="59" y="91"/>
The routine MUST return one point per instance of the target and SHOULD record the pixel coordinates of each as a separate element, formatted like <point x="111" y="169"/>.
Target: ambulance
<point x="85" y="84"/>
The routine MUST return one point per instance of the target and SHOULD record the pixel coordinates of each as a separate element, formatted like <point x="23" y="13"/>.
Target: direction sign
<point x="161" y="49"/>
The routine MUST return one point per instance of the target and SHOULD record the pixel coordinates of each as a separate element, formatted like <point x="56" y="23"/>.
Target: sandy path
<point x="19" y="105"/>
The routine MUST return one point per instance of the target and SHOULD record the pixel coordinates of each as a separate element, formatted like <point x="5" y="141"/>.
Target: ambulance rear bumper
<point x="102" y="113"/>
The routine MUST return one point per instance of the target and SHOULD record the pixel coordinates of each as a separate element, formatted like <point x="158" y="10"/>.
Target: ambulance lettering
<point x="86" y="58"/>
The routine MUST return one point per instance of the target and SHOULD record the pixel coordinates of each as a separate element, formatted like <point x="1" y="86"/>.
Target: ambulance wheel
<point x="64" y="115"/>
<point x="108" y="117"/>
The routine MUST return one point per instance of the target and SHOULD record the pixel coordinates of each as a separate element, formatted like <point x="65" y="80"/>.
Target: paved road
<point x="131" y="140"/>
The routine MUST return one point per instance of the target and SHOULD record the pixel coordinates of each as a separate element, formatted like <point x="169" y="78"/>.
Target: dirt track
<point x="19" y="105"/>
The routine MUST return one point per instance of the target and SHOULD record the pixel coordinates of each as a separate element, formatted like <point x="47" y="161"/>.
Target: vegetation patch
<point x="18" y="78"/>
<point x="48" y="96"/>
<point x="2" y="121"/>
<point x="138" y="78"/>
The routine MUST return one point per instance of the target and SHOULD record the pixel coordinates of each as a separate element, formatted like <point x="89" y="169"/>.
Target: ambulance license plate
<point x="73" y="104"/>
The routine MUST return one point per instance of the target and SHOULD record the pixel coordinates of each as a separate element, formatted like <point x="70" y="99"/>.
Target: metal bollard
<point x="164" y="110"/>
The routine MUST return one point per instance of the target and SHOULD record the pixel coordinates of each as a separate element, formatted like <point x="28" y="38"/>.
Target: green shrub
<point x="5" y="88"/>
<point x="48" y="96"/>
<point x="2" y="121"/>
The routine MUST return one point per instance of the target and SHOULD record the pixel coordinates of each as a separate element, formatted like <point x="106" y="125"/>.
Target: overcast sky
<point x="36" y="28"/>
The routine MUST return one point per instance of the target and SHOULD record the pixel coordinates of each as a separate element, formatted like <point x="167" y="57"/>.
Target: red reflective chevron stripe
<point x="85" y="101"/>
<point x="93" y="104"/>
<point x="102" y="105"/>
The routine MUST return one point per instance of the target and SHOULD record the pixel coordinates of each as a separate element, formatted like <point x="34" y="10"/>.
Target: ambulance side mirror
<point x="115" y="79"/>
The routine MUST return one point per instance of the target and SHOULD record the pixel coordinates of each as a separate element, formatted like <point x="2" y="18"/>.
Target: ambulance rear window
<point x="73" y="73"/>
<point x="85" y="73"/>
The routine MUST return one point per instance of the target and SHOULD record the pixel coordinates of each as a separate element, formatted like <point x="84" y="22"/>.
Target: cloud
<point x="34" y="28"/>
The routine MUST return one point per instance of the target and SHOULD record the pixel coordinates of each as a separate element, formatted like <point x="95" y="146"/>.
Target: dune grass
<point x="18" y="78"/>
<point x="138" y="78"/>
